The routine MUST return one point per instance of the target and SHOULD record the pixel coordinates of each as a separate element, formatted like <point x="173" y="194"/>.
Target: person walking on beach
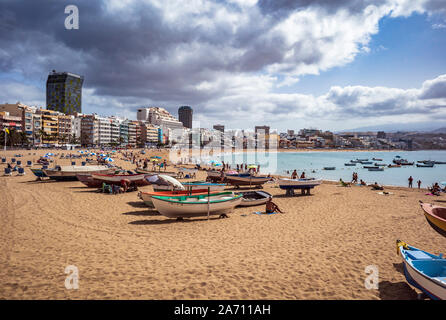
<point x="419" y="184"/>
<point x="410" y="181"/>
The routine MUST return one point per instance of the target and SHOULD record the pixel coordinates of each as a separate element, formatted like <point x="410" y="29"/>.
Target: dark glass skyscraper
<point x="185" y="116"/>
<point x="64" y="92"/>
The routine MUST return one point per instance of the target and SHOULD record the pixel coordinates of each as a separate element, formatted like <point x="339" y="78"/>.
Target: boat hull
<point x="135" y="179"/>
<point x="417" y="276"/>
<point x="70" y="174"/>
<point x="285" y="184"/>
<point x="254" y="198"/>
<point x="246" y="181"/>
<point x="39" y="173"/>
<point x="435" y="219"/>
<point x="146" y="197"/>
<point x="89" y="181"/>
<point x="189" y="210"/>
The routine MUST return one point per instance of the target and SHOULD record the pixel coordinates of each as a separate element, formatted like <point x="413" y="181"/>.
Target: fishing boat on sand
<point x="196" y="205"/>
<point x="254" y="198"/>
<point x="424" y="270"/>
<point x="147" y="196"/>
<point x="435" y="216"/>
<point x="39" y="173"/>
<point x="194" y="185"/>
<point x="137" y="179"/>
<point x="68" y="173"/>
<point x="309" y="183"/>
<point x="246" y="180"/>
<point x="88" y="180"/>
<point x="153" y="172"/>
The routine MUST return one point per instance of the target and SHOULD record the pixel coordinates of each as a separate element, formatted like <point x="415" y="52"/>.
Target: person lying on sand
<point x="362" y="183"/>
<point x="272" y="207"/>
<point x="343" y="184"/>
<point x="376" y="186"/>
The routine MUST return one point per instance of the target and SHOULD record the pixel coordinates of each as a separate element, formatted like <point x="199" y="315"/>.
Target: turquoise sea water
<point x="279" y="163"/>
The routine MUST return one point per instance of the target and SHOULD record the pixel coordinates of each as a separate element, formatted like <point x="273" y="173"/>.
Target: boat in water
<point x="196" y="205"/>
<point x="69" y="173"/>
<point x="424" y="270"/>
<point x="329" y="168"/>
<point x="377" y="159"/>
<point x="426" y="165"/>
<point x="351" y="164"/>
<point x="254" y="198"/>
<point x="435" y="216"/>
<point x="376" y="169"/>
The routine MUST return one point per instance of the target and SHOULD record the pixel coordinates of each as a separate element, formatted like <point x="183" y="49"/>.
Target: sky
<point x="329" y="64"/>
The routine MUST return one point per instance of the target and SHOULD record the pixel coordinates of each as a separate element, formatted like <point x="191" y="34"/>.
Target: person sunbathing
<point x="344" y="184"/>
<point x="272" y="207"/>
<point x="362" y="183"/>
<point x="376" y="186"/>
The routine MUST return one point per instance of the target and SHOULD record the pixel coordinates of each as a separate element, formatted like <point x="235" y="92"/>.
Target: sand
<point x="318" y="249"/>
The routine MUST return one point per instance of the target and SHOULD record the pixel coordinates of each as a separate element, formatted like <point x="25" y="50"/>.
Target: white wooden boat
<point x="68" y="173"/>
<point x="196" y="205"/>
<point x="254" y="198"/>
<point x="285" y="183"/>
<point x="424" y="270"/>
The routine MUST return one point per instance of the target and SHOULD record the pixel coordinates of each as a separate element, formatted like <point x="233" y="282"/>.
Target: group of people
<point x="295" y="175"/>
<point x="124" y="186"/>
<point x="411" y="182"/>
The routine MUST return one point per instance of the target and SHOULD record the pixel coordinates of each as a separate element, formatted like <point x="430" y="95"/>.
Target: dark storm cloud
<point x="283" y="7"/>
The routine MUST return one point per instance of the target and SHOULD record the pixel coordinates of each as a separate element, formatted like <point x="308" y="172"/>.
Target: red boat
<point x="135" y="179"/>
<point x="89" y="181"/>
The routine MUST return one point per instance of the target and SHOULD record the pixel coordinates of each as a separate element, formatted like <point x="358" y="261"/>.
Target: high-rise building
<point x="64" y="92"/>
<point x="262" y="137"/>
<point x="185" y="116"/>
<point x="219" y="127"/>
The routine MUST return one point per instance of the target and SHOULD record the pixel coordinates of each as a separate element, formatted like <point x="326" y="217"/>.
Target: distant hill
<point x="439" y="130"/>
<point x="410" y="127"/>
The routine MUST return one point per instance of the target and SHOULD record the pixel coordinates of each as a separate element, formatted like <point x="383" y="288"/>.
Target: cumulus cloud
<point x="207" y="54"/>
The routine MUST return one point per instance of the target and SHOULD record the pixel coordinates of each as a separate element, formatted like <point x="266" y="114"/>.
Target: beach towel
<point x="385" y="193"/>
<point x="258" y="212"/>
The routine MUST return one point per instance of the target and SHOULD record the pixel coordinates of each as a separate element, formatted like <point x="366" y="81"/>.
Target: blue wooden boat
<point x="39" y="173"/>
<point x="351" y="164"/>
<point x="424" y="270"/>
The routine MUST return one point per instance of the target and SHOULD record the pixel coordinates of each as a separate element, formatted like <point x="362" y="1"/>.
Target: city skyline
<point x="335" y="66"/>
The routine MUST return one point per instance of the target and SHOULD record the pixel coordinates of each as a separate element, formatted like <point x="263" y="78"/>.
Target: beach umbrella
<point x="154" y="160"/>
<point x="252" y="166"/>
<point x="109" y="159"/>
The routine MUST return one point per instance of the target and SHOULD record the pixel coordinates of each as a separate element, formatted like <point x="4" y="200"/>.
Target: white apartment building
<point x="104" y="131"/>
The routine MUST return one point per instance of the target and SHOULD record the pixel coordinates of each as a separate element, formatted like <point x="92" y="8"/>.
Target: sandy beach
<point x="318" y="249"/>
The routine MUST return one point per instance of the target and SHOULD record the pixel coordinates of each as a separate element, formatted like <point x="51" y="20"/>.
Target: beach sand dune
<point x="318" y="249"/>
